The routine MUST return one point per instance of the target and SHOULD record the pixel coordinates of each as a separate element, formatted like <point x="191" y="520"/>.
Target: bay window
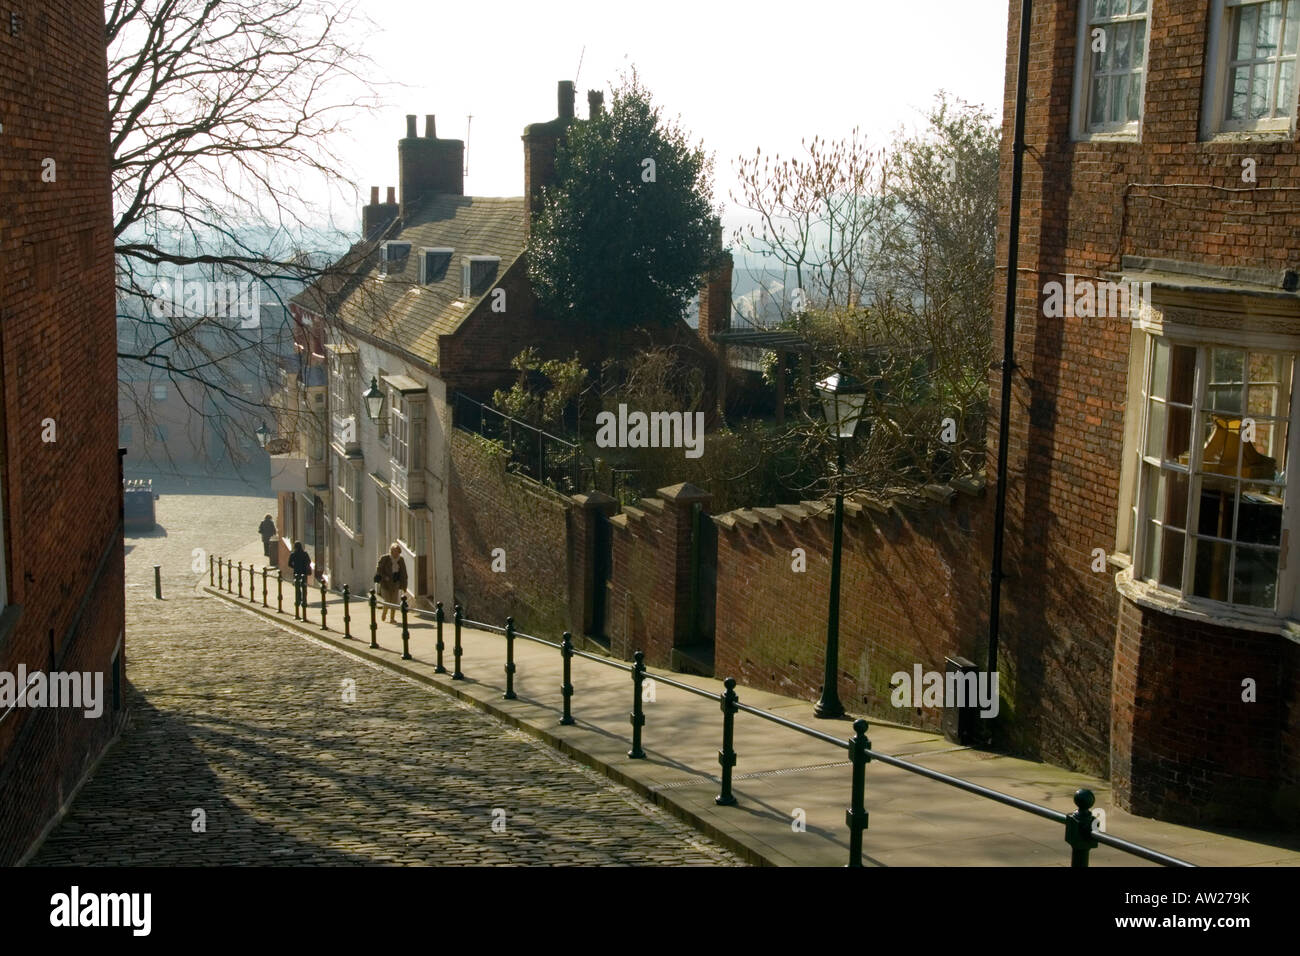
<point x="1250" y="80"/>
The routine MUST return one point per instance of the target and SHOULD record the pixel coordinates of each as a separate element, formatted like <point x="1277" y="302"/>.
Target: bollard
<point x="856" y="815"/>
<point x="373" y="626"/>
<point x="510" y="660"/>
<point x="566" y="689"/>
<point x="727" y="755"/>
<point x="1078" y="828"/>
<point x="438" y="616"/>
<point x="638" y="707"/>
<point x="406" y="634"/>
<point x="279" y="591"/>
<point x="264" y="570"/>
<point x="297" y="598"/>
<point x="210" y="571"/>
<point x="455" y="649"/>
<point x="323" y="626"/>
<point x="347" y="618"/>
<point x="157" y="582"/>
<point x="241" y="578"/>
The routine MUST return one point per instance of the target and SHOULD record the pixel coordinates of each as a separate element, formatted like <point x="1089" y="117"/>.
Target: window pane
<point x="1269" y="29"/>
<point x="1153" y="552"/>
<point x="1182" y="374"/>
<point x="1244" y="42"/>
<point x="1285" y="88"/>
<point x="1239" y="85"/>
<point x="1261" y="83"/>
<point x="1156" y="421"/>
<point x="1254" y="579"/>
<point x="1119" y="86"/>
<point x="1160" y="369"/>
<point x="1122" y="35"/>
<point x="1259" y="518"/>
<point x="1171" y="559"/>
<point x="1178" y="440"/>
<point x="1210" y="579"/>
<point x="1102" y="8"/>
<point x="1139" y="42"/>
<point x="1137" y="6"/>
<point x="1289" y="42"/>
<point x="1135" y="98"/>
<point x="1100" y="89"/>
<point x="1218" y="508"/>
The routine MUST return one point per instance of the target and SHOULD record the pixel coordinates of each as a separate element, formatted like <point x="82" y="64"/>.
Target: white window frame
<point x="159" y="391"/>
<point x="1215" y="95"/>
<point x="428" y="251"/>
<point x="388" y="253"/>
<point x="467" y="274"/>
<point x="407" y="422"/>
<point x="1133" y="523"/>
<point x="1081" y="98"/>
<point x="348" y="513"/>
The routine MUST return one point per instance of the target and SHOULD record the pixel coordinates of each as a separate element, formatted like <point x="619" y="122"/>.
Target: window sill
<point x="1158" y="599"/>
<point x="354" y="536"/>
<point x="1251" y="136"/>
<point x="1112" y="136"/>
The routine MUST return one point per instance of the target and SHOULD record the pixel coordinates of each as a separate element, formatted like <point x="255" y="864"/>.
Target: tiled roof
<point x="397" y="308"/>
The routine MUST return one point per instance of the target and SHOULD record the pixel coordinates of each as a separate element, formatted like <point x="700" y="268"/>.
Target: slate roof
<point x="397" y="308"/>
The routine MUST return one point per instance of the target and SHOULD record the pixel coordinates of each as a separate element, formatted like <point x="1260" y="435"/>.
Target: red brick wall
<point x="1083" y="209"/>
<point x="491" y="509"/>
<point x="911" y="593"/>
<point x="62" y="499"/>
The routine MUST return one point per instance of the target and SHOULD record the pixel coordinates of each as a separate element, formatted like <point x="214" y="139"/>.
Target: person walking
<point x="267" y="530"/>
<point x="300" y="565"/>
<point x="390" y="576"/>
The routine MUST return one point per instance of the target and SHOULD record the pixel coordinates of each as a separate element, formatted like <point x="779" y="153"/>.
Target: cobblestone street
<point x="248" y="723"/>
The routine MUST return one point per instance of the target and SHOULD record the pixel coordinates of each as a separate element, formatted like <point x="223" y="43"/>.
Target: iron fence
<point x="1079" y="825"/>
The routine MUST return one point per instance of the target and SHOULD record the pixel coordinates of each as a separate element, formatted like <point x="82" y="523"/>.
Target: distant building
<point x="61" y="570"/>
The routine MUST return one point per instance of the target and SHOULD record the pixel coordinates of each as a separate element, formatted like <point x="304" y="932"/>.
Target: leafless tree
<point x="220" y="112"/>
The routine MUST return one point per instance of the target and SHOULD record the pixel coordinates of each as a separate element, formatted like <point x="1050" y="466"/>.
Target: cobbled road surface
<point x="240" y="748"/>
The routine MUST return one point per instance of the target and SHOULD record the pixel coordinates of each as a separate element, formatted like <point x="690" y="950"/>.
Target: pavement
<point x="792" y="790"/>
<point x="249" y="744"/>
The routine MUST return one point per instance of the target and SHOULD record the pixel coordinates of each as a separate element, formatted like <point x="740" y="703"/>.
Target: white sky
<point x="740" y="75"/>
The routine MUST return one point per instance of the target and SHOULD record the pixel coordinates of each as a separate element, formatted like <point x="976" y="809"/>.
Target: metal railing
<point x="1079" y="825"/>
<point x="533" y="452"/>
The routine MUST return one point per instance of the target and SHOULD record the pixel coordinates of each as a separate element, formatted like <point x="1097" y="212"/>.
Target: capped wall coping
<point x="684" y="491"/>
<point x="652" y="504"/>
<point x="770" y="515"/>
<point x="797" y="512"/>
<point x="595" y="499"/>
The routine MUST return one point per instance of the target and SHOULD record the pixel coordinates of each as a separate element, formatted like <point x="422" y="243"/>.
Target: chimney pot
<point x="430" y="130"/>
<point x="410" y="126"/>
<point x="595" y="103"/>
<point x="374" y="195"/>
<point x="392" y="194"/>
<point x="565" y="97"/>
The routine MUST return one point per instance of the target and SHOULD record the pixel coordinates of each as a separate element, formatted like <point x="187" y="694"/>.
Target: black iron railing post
<point x="347" y="618"/>
<point x="455" y="650"/>
<point x="323" y="626"/>
<point x="566" y="689"/>
<point x="211" y="573"/>
<point x="638" y="708"/>
<point x="300" y="597"/>
<point x="856" y="815"/>
<point x="438" y="616"/>
<point x="241" y="578"/>
<point x="1078" y="828"/>
<point x="406" y="634"/>
<point x="264" y="570"/>
<point x="279" y="591"/>
<point x="157" y="582"/>
<point x="727" y="755"/>
<point x="510" y="660"/>
<point x="374" y="627"/>
<point x="252" y="584"/>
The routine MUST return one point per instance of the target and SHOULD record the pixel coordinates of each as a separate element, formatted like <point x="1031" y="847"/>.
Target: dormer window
<point x="434" y="264"/>
<point x="391" y="257"/>
<point x="477" y="274"/>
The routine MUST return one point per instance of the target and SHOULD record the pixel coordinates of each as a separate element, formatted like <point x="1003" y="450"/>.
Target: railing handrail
<point x="1134" y="849"/>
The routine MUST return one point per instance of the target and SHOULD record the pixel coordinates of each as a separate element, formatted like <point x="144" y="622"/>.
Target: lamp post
<point x="842" y="398"/>
<point x="374" y="400"/>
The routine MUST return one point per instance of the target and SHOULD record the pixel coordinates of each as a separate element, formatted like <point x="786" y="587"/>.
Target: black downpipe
<point x="1009" y="333"/>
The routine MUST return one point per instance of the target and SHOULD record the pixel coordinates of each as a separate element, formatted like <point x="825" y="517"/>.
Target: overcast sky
<point x="740" y="75"/>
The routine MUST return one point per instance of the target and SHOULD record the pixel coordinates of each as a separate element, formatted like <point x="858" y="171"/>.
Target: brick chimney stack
<point x="428" y="166"/>
<point x="541" y="140"/>
<point x="595" y="103"/>
<point x="376" y="216"/>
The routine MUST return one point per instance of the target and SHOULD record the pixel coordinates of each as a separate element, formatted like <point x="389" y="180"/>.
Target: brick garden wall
<point x="62" y="499"/>
<point x="492" y="509"/>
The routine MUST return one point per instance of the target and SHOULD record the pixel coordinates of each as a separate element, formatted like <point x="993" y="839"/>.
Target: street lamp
<point x="842" y="399"/>
<point x="374" y="400"/>
<point x="263" y="435"/>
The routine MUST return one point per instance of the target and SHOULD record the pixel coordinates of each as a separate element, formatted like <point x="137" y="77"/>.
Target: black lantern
<point x="374" y="400"/>
<point x="842" y="398"/>
<point x="263" y="434"/>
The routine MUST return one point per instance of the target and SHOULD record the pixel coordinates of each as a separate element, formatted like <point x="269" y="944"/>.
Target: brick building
<point x="61" y="570"/>
<point x="432" y="302"/>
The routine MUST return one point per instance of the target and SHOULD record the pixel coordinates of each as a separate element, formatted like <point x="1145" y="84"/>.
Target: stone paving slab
<point x="914" y="821"/>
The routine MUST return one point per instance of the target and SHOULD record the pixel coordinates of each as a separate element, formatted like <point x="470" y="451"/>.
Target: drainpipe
<point x="1009" y="333"/>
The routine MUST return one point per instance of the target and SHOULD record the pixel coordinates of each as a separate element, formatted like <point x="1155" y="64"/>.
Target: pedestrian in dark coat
<point x="300" y="564"/>
<point x="267" y="530"/>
